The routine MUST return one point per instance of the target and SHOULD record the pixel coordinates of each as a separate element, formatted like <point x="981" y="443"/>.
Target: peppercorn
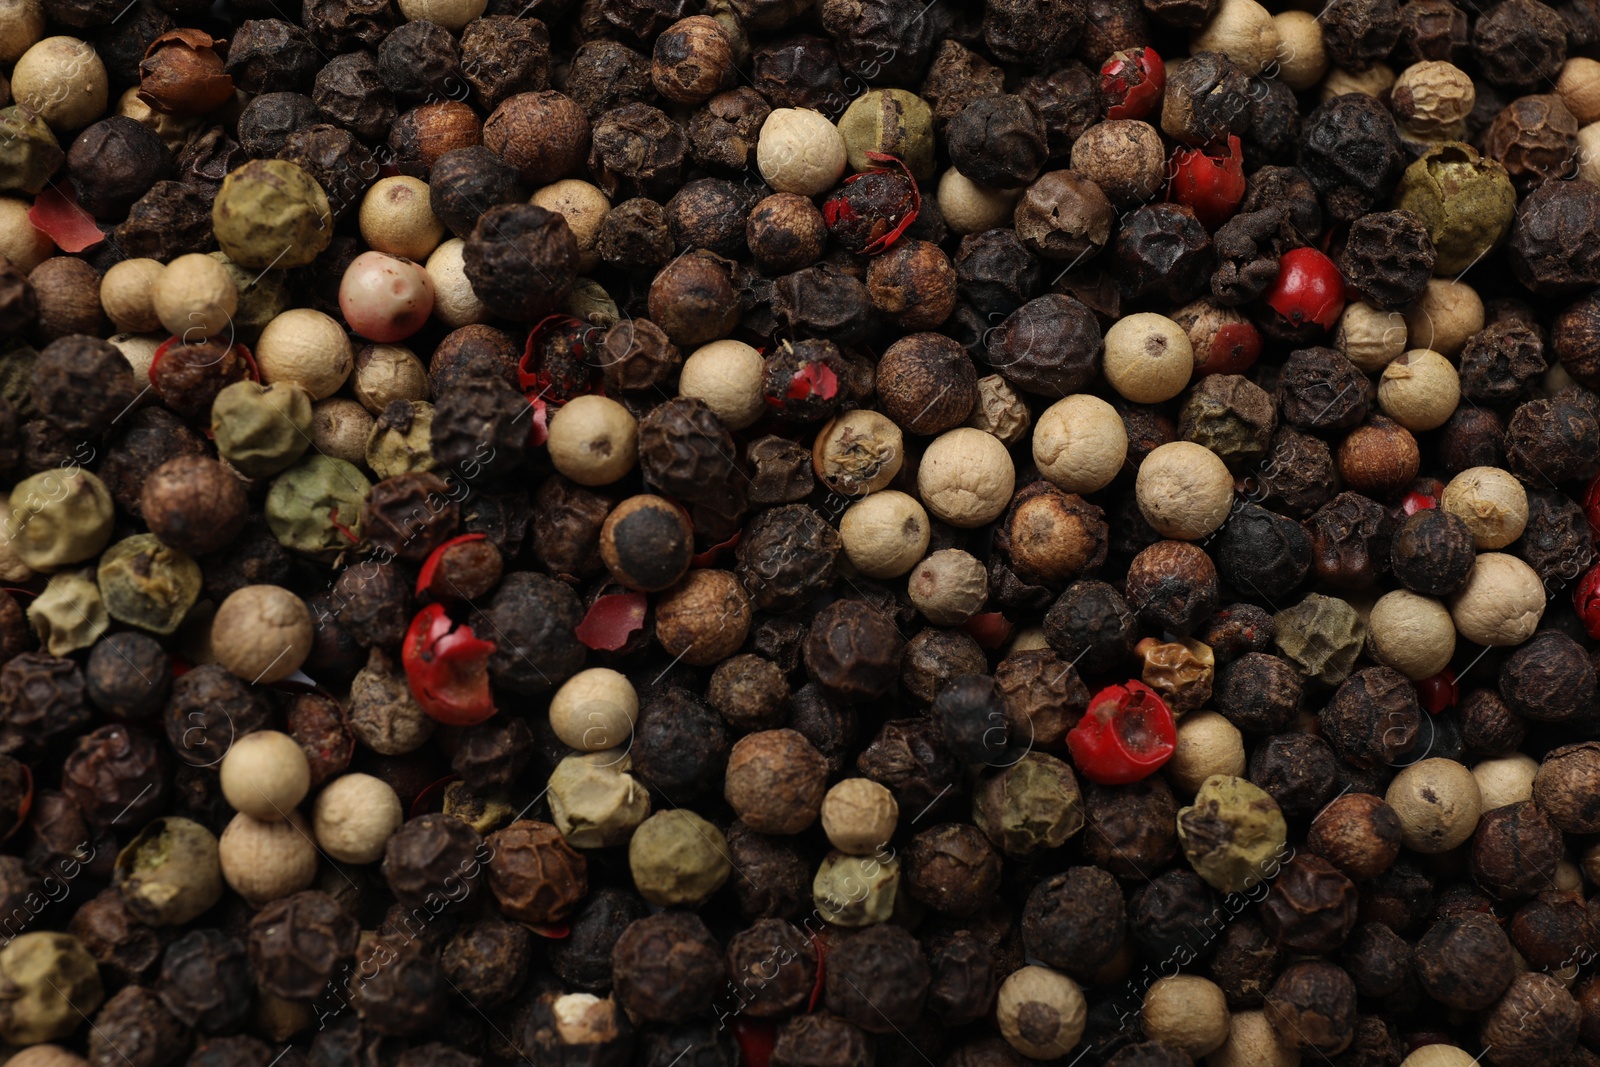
<point x="1544" y="249"/>
<point x="1262" y="552"/>
<point x="666" y="966"/>
<point x="1312" y="1008"/>
<point x="1536" y="1021"/>
<point x="820" y="1040"/>
<point x="1515" y="851"/>
<point x="952" y="868"/>
<point x="1075" y="921"/>
<point x="1233" y="834"/>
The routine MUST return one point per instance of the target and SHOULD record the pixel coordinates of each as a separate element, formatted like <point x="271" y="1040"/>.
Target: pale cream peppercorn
<point x="265" y="774"/>
<point x="1578" y="85"/>
<point x="593" y="440"/>
<point x="966" y="477"/>
<point x="340" y="427"/>
<point x="949" y="587"/>
<point x="1252" y="1043"/>
<point x="396" y="218"/>
<point x="968" y="207"/>
<point x="127" y="295"/>
<point x="305" y="347"/>
<point x="1370" y="338"/>
<point x="173" y="130"/>
<point x="1184" y="490"/>
<point x="728" y="375"/>
<point x="859" y="452"/>
<point x="1440" y="1056"/>
<point x="1028" y="639"/>
<point x="1589" y="152"/>
<point x="1000" y="411"/>
<point x="859" y="816"/>
<point x="1242" y="30"/>
<point x="800" y="151"/>
<point x="455" y="303"/>
<point x="63" y="81"/>
<point x="1041" y="1012"/>
<point x="195" y="297"/>
<point x="262" y="633"/>
<point x="1080" y="443"/>
<point x="1148" y="357"/>
<point x="386" y="373"/>
<point x="1447" y="313"/>
<point x="1438" y="803"/>
<point x="12" y="569"/>
<point x="1207" y="744"/>
<point x="1420" y="390"/>
<point x="1432" y="100"/>
<point x="22" y="24"/>
<point x="355" y="815"/>
<point x="1302" y="52"/>
<point x="453" y="15"/>
<point x="1492" y="503"/>
<point x="139" y="349"/>
<point x="1505" y="779"/>
<point x="262" y="860"/>
<point x="1502" y="602"/>
<point x="46" y="1056"/>
<point x="885" y="534"/>
<point x="1413" y="634"/>
<point x="594" y="710"/>
<point x="1186" y="1012"/>
<point x="584" y="207"/>
<point x="24" y="244"/>
<point x="595" y="801"/>
<point x="1375" y="81"/>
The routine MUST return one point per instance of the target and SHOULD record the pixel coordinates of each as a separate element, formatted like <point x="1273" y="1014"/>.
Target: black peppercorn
<point x="1351" y="151"/>
<point x="205" y="981"/>
<point x="1464" y="963"/>
<point x="820" y="1040"/>
<point x="1319" y="389"/>
<point x="786" y="556"/>
<point x="1311" y="907"/>
<point x="136" y="1021"/>
<point x="1432" y="553"/>
<point x="1554" y="439"/>
<point x="1296" y="770"/>
<point x="1075" y="921"/>
<point x="637" y="151"/>
<point x="1515" y="850"/>
<point x="1351" y="541"/>
<point x="964" y="978"/>
<point x="1388" y="258"/>
<point x="1519" y="43"/>
<point x="465" y="182"/>
<point x="82" y="385"/>
<point x="127" y="675"/>
<point x="521" y="260"/>
<point x="1206" y="99"/>
<point x="531" y="618"/>
<point x="42" y="697"/>
<point x="1049" y="345"/>
<point x="583" y="958"/>
<point x="1130" y="829"/>
<point x="1263" y="554"/>
<point x="402" y="990"/>
<point x="910" y="758"/>
<point x="680" y="746"/>
<point x="1373" y="717"/>
<point x="113" y="773"/>
<point x="1312" y="1008"/>
<point x="1552" y="250"/>
<point x="772" y="878"/>
<point x="773" y="968"/>
<point x="667" y="967"/>
<point x="297" y="943"/>
<point x="998" y="141"/>
<point x="877" y="979"/>
<point x="1174" y="913"/>
<point x="1299" y="475"/>
<point x="1091" y="625"/>
<point x="1162" y="251"/>
<point x="428" y="856"/>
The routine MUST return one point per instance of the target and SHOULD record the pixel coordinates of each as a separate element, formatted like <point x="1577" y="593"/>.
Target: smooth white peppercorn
<point x="1420" y="390"/>
<point x="1186" y="1012"/>
<point x="396" y="218"/>
<point x="127" y="293"/>
<point x="1148" y="357"/>
<point x="1438" y="803"/>
<point x="584" y="207"/>
<point x="966" y="477"/>
<point x="305" y="347"/>
<point x="1080" y="443"/>
<point x="262" y="860"/>
<point x="1413" y="634"/>
<point x="594" y="710"/>
<point x="949" y="587"/>
<point x="63" y="81"/>
<point x="1242" y="30"/>
<point x="1505" y="779"/>
<point x="1302" y="52"/>
<point x="1447" y="313"/>
<point x="1492" y="503"/>
<point x="1207" y="744"/>
<point x="1502" y="602"/>
<point x="194" y="297"/>
<point x="354" y="817"/>
<point x="800" y="151"/>
<point x="593" y="440"/>
<point x="1184" y="490"/>
<point x="859" y="816"/>
<point x="1369" y="337"/>
<point x="728" y="375"/>
<point x="262" y="633"/>
<point x="968" y="207"/>
<point x="455" y="303"/>
<point x="265" y="774"/>
<point x="1041" y="1012"/>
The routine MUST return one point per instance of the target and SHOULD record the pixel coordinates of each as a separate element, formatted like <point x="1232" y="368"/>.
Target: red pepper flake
<point x="756" y="1038"/>
<point x="813" y="380"/>
<point x="612" y="620"/>
<point x="56" y="212"/>
<point x="709" y="556"/>
<point x="990" y="629"/>
<point x="819" y="941"/>
<point x="333" y="518"/>
<point x="904" y="224"/>
<point x="431" y="799"/>
<point x="1586" y="598"/>
<point x="447" y="667"/>
<point x="531" y="377"/>
<point x="551" y="931"/>
<point x="1415" y="502"/>
<point x="165" y="346"/>
<point x="539" y="428"/>
<point x="1126" y="735"/>
<point x="1438" y="692"/>
<point x="431" y="566"/>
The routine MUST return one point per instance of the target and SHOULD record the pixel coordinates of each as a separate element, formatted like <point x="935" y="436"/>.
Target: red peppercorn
<point x="1591" y="508"/>
<point x="447" y="666"/>
<point x="1438" y="692"/>
<point x="1586" y="598"/>
<point x="1126" y="735"/>
<point x="1417" y="501"/>
<point x="1211" y="184"/>
<point x="1308" y="288"/>
<point x="1131" y="82"/>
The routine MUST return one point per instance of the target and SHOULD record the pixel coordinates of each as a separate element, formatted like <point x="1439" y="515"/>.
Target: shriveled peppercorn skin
<point x="1319" y="389"/>
<point x="1092" y="625"/>
<point x="172" y="219"/>
<point x="1360" y="33"/>
<point x="877" y="979"/>
<point x="1432" y="553"/>
<point x="786" y="557"/>
<point x="1519" y="44"/>
<point x="952" y="868"/>
<point x="1548" y="678"/>
<point x="1246" y="963"/>
<point x="1515" y="850"/>
<point x="1535" y="138"/>
<point x="1500" y="362"/>
<point x="1555" y="439"/>
<point x="430" y="858"/>
<point x="1206" y="99"/>
<point x="910" y="758"/>
<point x="298" y="942"/>
<point x="1464" y="962"/>
<point x="774" y="967"/>
<point x="1373" y="718"/>
<point x="530" y="620"/>
<point x="1075" y="921"/>
<point x="1351" y="539"/>
<point x="637" y="150"/>
<point x="409" y="515"/>
<point x="401" y="992"/>
<point x="125" y="948"/>
<point x="43" y="697"/>
<point x="824" y="301"/>
<point x="205" y="981"/>
<point x="115" y="772"/>
<point x="1172" y="585"/>
<point x="1556" y="542"/>
<point x="1311" y="906"/>
<point x="135" y="1029"/>
<point x="373" y="601"/>
<point x="820" y="1039"/>
<point x="1299" y="475"/>
<point x="521" y="260"/>
<point x="1553" y="249"/>
<point x="685" y="452"/>
<point x="1351" y="152"/>
<point x="349" y="91"/>
<point x="680" y="746"/>
<point x="1312" y="1008"/>
<point x="666" y="967"/>
<point x="1042" y="696"/>
<point x="1175" y="912"/>
<point x="1388" y="258"/>
<point x="1247" y="249"/>
<point x="1262" y="554"/>
<point x="1162" y="251"/>
<point x="1130" y="830"/>
<point x="1049" y="345"/>
<point x="1552" y="931"/>
<point x="1296" y="770"/>
<point x="535" y="875"/>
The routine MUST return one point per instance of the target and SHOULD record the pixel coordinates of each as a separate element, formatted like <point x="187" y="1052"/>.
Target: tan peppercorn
<point x="1492" y="503"/>
<point x="46" y="1056"/>
<point x="24" y="244"/>
<point x="856" y="891"/>
<point x="63" y="81"/>
<point x="1447" y="313"/>
<point x="453" y="15"/>
<point x="1080" y="443"/>
<point x="1413" y="634"/>
<point x="1375" y="81"/>
<point x="262" y="861"/>
<point x="305" y="347"/>
<point x="968" y="207"/>
<point x="593" y="440"/>
<point x="949" y="587"/>
<point x="1148" y="358"/>
<point x="584" y="207"/>
<point x="1370" y="338"/>
<point x="396" y="218"/>
<point x="594" y="710"/>
<point x="859" y="816"/>
<point x="195" y="297"/>
<point x="22" y="24"/>
<point x="262" y="633"/>
<point x="728" y="375"/>
<point x="800" y="151"/>
<point x="1252" y="1043"/>
<point x="386" y="373"/>
<point x="1180" y="671"/>
<point x="1440" y="1056"/>
<point x="1242" y="30"/>
<point x="1186" y="1012"/>
<point x="595" y="801"/>
<point x="1578" y="85"/>
<point x="1302" y="52"/>
<point x="1505" y="779"/>
<point x="1000" y="411"/>
<point x="858" y="452"/>
<point x="265" y="774"/>
<point x="704" y="618"/>
<point x="775" y="781"/>
<point x="1184" y="490"/>
<point x="966" y="477"/>
<point x="354" y="816"/>
<point x="1420" y="390"/>
<point x="1207" y="744"/>
<point x="885" y="534"/>
<point x="1589" y="152"/>
<point x="1124" y="157"/>
<point x="1502" y="602"/>
<point x="455" y="303"/>
<point x="1041" y="1012"/>
<point x="1438" y="802"/>
<point x="127" y="295"/>
<point x="1432" y="99"/>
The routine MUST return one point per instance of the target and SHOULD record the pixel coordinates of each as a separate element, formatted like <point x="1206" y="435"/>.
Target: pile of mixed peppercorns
<point x="799" y="533"/>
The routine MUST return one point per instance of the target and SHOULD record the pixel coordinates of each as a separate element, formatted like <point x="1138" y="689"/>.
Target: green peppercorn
<point x="29" y="154"/>
<point x="271" y="214"/>
<point x="1234" y="834"/>
<point x="678" y="858"/>
<point x="263" y="296"/>
<point x="856" y="890"/>
<point x="69" y="614"/>
<point x="1322" y="636"/>
<point x="51" y="985"/>
<point x="892" y="122"/>
<point x="147" y="584"/>
<point x="59" y="517"/>
<point x="261" y="429"/>
<point x="401" y="439"/>
<point x="314" y="507"/>
<point x="170" y="874"/>
<point x="1465" y="201"/>
<point x="1031" y="805"/>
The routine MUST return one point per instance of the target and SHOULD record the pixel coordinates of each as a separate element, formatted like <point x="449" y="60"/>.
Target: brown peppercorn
<point x="1311" y="906"/>
<point x="1515" y="850"/>
<point x="646" y="543"/>
<point x="911" y="759"/>
<point x="1534" y="137"/>
<point x="1075" y="921"/>
<point x="115" y="772"/>
<point x="535" y="875"/>
<point x="1548" y="678"/>
<point x="952" y="868"/>
<point x="405" y="994"/>
<point x="1379" y="459"/>
<point x="775" y="781"/>
<point x="693" y="60"/>
<point x="1172" y="585"/>
<point x="667" y="967"/>
<point x="964" y="980"/>
<point x="1554" y="439"/>
<point x="428" y="857"/>
<point x="877" y="978"/>
<point x="637" y="152"/>
<point x="750" y="692"/>
<point x="126" y="949"/>
<point x="1358" y="833"/>
<point x="298" y="942"/>
<point x="853" y="651"/>
<point x="209" y="708"/>
<point x="67" y="291"/>
<point x="773" y="968"/>
<point x="820" y="1040"/>
<point x="1042" y="695"/>
<point x="1312" y="1008"/>
<point x="1535" y="1023"/>
<point x="1433" y="553"/>
<point x="1049" y="536"/>
<point x="1464" y="962"/>
<point x="135" y="1019"/>
<point x="1129" y="829"/>
<point x="544" y="135"/>
<point x="785" y="232"/>
<point x="1206" y="99"/>
<point x="182" y="74"/>
<point x="1553" y="932"/>
<point x="194" y="504"/>
<point x="926" y="382"/>
<point x="1373" y="718"/>
<point x="1433" y="30"/>
<point x="693" y="299"/>
<point x="1519" y="43"/>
